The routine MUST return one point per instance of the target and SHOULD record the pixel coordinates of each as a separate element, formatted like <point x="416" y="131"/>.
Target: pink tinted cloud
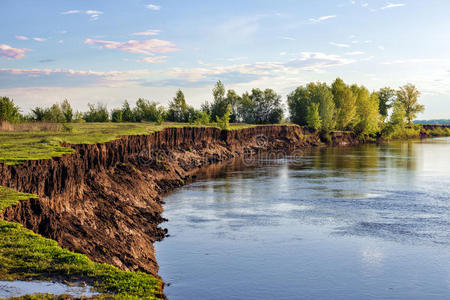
<point x="21" y="37"/>
<point x="9" y="52"/>
<point x="153" y="59"/>
<point x="147" y="47"/>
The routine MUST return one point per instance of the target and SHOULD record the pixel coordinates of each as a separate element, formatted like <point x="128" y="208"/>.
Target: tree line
<point x="316" y="105"/>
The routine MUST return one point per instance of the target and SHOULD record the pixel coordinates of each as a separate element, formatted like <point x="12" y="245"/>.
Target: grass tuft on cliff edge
<point x="26" y="255"/>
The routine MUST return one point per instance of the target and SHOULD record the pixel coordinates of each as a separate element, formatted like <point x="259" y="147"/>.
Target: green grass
<point x="19" y="146"/>
<point x="25" y="255"/>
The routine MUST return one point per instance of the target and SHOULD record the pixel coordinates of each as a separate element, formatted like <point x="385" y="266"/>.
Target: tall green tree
<point x="345" y="103"/>
<point x="313" y="117"/>
<point x="367" y="110"/>
<point x="267" y="107"/>
<point x="96" y="113"/>
<point x="386" y="96"/>
<point x="224" y="121"/>
<point x="408" y="97"/>
<point x="321" y="93"/>
<point x="148" y="111"/>
<point x="127" y="112"/>
<point x="298" y="103"/>
<point x="67" y="111"/>
<point x="178" y="109"/>
<point x="9" y="111"/>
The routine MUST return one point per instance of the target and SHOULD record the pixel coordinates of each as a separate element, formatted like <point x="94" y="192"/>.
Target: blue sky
<point x="108" y="51"/>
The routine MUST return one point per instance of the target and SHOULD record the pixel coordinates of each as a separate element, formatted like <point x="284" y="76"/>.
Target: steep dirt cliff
<point x="105" y="199"/>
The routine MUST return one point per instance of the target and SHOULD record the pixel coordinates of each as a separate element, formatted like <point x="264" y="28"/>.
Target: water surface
<point x="345" y="223"/>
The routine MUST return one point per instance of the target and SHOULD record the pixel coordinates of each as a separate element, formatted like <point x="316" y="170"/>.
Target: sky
<point x="108" y="51"/>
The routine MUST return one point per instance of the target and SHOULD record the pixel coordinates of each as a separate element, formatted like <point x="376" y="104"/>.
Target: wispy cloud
<point x="153" y="59"/>
<point x="147" y="47"/>
<point x="94" y="14"/>
<point x="355" y="53"/>
<point x="339" y="45"/>
<point x="153" y="7"/>
<point x="147" y="32"/>
<point x="38" y="39"/>
<point x="8" y="52"/>
<point x="321" y="19"/>
<point x="21" y="37"/>
<point x="71" y="12"/>
<point x="288" y="38"/>
<point x="392" y="5"/>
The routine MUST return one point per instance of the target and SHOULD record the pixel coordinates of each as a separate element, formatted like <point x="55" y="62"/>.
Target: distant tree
<point x="345" y="103"/>
<point x="219" y="105"/>
<point x="267" y="106"/>
<point x="55" y="114"/>
<point x="127" y="113"/>
<point x="37" y="114"/>
<point x="178" y="110"/>
<point x="9" y="111"/>
<point x="386" y="96"/>
<point x="234" y="100"/>
<point x="224" y="121"/>
<point x="148" y="111"/>
<point x="117" y="115"/>
<point x="97" y="113"/>
<point x="313" y="117"/>
<point x="67" y="111"/>
<point x="408" y="97"/>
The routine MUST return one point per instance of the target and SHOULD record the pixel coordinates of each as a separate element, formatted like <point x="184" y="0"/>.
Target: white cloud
<point x="339" y="45"/>
<point x="70" y="12"/>
<point x="288" y="38"/>
<point x="321" y="19"/>
<point x="147" y="32"/>
<point x="8" y="52"/>
<point x="147" y="47"/>
<point x="153" y="7"/>
<point x="94" y="14"/>
<point x="38" y="39"/>
<point x="355" y="53"/>
<point x="21" y="37"/>
<point x="153" y="59"/>
<point x="392" y="5"/>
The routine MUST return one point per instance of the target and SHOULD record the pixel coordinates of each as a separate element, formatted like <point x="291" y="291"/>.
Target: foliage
<point x="386" y="96"/>
<point x="203" y="118"/>
<point x="267" y="108"/>
<point x="117" y="115"/>
<point x="97" y="113"/>
<point x="367" y="110"/>
<point x="224" y="121"/>
<point x="148" y="111"/>
<point x="345" y="103"/>
<point x="127" y="113"/>
<point x="298" y="103"/>
<point x="321" y="93"/>
<point x="408" y="97"/>
<point x="313" y="117"/>
<point x="9" y="112"/>
<point x="67" y="111"/>
<point x="178" y="109"/>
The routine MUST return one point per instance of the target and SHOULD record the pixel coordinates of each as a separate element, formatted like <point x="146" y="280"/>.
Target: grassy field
<point x="26" y="255"/>
<point x="22" y="144"/>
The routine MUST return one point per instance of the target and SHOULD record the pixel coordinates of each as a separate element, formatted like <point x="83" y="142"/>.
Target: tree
<point x="178" y="109"/>
<point x="97" y="113"/>
<point x="224" y="121"/>
<point x="366" y="111"/>
<point x="9" y="111"/>
<point x="234" y="100"/>
<point x="408" y="97"/>
<point x="267" y="106"/>
<point x="313" y="117"/>
<point x="345" y="103"/>
<point x="127" y="113"/>
<point x="149" y="111"/>
<point x="117" y="115"/>
<point x="246" y="109"/>
<point x="67" y="111"/>
<point x="321" y="93"/>
<point x="219" y="106"/>
<point x="386" y="96"/>
<point x="203" y="118"/>
<point x="298" y="103"/>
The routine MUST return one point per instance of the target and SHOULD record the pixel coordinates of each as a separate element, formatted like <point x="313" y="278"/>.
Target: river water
<point x="366" y="222"/>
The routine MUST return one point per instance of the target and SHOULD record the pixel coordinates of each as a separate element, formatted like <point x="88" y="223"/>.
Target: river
<point x="371" y="221"/>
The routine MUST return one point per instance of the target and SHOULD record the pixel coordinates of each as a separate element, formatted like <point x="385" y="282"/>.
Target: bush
<point x="224" y="122"/>
<point x="9" y="112"/>
<point x="117" y="116"/>
<point x="97" y="113"/>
